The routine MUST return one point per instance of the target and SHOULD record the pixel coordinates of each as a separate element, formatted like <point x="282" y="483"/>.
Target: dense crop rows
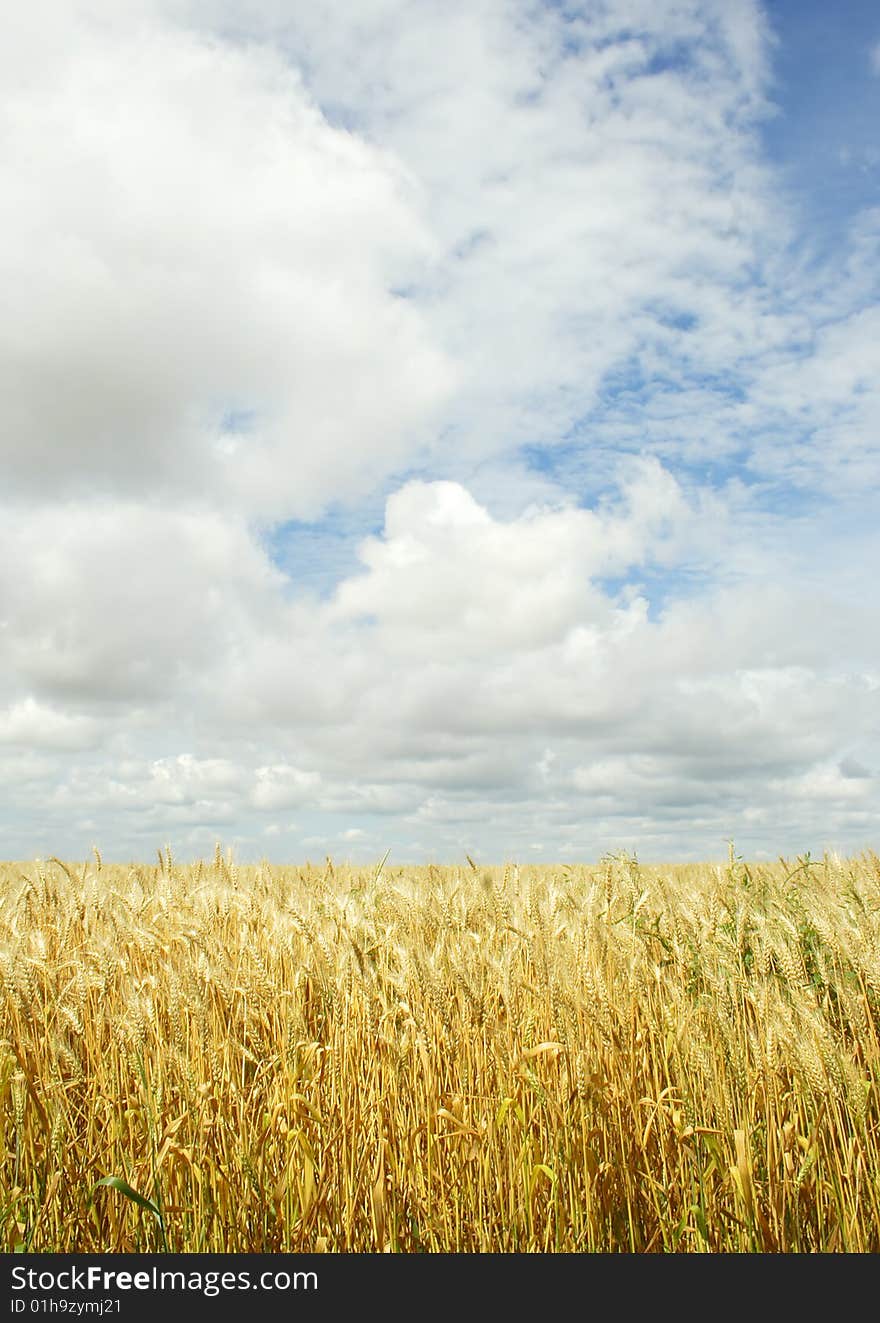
<point x="460" y="1059"/>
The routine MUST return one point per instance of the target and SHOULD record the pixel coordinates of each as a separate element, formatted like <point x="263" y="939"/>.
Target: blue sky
<point x="440" y="427"/>
<point x="828" y="92"/>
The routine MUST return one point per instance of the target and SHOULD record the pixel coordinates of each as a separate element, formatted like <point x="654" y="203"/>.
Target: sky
<point x="440" y="427"/>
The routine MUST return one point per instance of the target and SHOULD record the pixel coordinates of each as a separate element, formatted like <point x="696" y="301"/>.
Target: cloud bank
<point x="427" y="427"/>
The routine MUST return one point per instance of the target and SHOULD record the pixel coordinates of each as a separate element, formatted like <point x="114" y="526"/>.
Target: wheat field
<point x="220" y="1058"/>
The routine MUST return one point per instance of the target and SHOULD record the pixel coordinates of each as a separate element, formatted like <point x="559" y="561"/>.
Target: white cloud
<point x="283" y="787"/>
<point x="707" y="703"/>
<point x="506" y="299"/>
<point x="587" y="177"/>
<point x="827" y="782"/>
<point x="34" y="725"/>
<point x="196" y="271"/>
<point x="535" y="573"/>
<point x="529" y="692"/>
<point x="189" y="780"/>
<point x="117" y="602"/>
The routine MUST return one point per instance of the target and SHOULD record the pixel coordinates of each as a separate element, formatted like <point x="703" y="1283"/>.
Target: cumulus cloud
<point x="536" y="573"/>
<point x="32" y="725"/>
<point x="478" y="677"/>
<point x="282" y="787"/>
<point x="448" y="705"/>
<point x="187" y="780"/>
<point x="590" y="179"/>
<point x="194" y="262"/>
<point x="585" y="221"/>
<point x="112" y="603"/>
<point x="506" y="301"/>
